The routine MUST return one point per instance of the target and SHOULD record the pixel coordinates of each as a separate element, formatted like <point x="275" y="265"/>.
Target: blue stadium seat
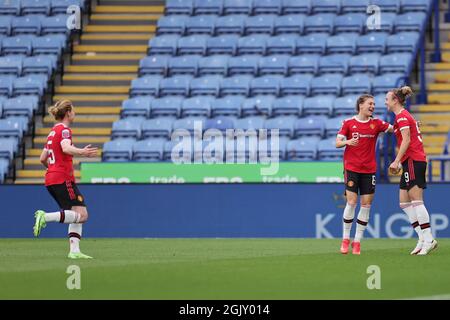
<point x="20" y="106"/>
<point x="326" y="6"/>
<point x="55" y="24"/>
<point x="276" y="64"/>
<point x="354" y="6"/>
<point x="335" y="63"/>
<point x="227" y="106"/>
<point x="136" y="107"/>
<point x="258" y="106"/>
<point x="327" y="151"/>
<point x="146" y="86"/>
<point x="127" y="128"/>
<point x="166" y="44"/>
<point x="266" y="7"/>
<point x="10" y="7"/>
<point x="10" y="128"/>
<point x="44" y="64"/>
<point x="118" y="150"/>
<point x="32" y="84"/>
<point x="254" y="44"/>
<point x="17" y="45"/>
<point x="206" y="86"/>
<point x="299" y="84"/>
<point x="185" y="156"/>
<point x="411" y="21"/>
<point x="396" y="62"/>
<point x="282" y="44"/>
<point x="231" y="24"/>
<point x="307" y="63"/>
<point x="149" y="150"/>
<point x="326" y="84"/>
<point x="292" y="23"/>
<point x="187" y="65"/>
<point x="259" y="24"/>
<point x="166" y="107"/>
<point x="208" y="7"/>
<point x="333" y="125"/>
<point x="372" y="42"/>
<point x="196" y="107"/>
<point x="157" y="128"/>
<point x="220" y="123"/>
<point x="193" y="125"/>
<point x="380" y="106"/>
<point x="11" y="65"/>
<point x="303" y="149"/>
<point x="35" y="7"/>
<point x="178" y="7"/>
<point x="342" y="43"/>
<point x="2" y="99"/>
<point x="7" y="148"/>
<point x="49" y="44"/>
<point x="153" y="65"/>
<point x="403" y="42"/>
<point x="213" y="65"/>
<point x="288" y="106"/>
<point x="171" y="25"/>
<point x="310" y="126"/>
<point x="22" y="121"/>
<point x="266" y="85"/>
<point x="237" y="7"/>
<point x="346" y="105"/>
<point x="192" y="45"/>
<point x="250" y="123"/>
<point x="226" y="44"/>
<point x="236" y="85"/>
<point x="319" y="23"/>
<point x="358" y="83"/>
<point x="312" y="43"/>
<point x="4" y="168"/>
<point x="416" y="5"/>
<point x="318" y="105"/>
<point x="385" y="82"/>
<point x="247" y="64"/>
<point x="60" y="6"/>
<point x="6" y="85"/>
<point x="5" y="25"/>
<point x="26" y="25"/>
<point x="365" y="63"/>
<point x="202" y="24"/>
<point x="387" y="5"/>
<point x="295" y="6"/>
<point x="175" y="86"/>
<point x="387" y="24"/>
<point x="285" y="125"/>
<point x="352" y="22"/>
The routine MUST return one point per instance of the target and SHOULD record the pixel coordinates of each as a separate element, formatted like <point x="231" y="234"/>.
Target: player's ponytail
<point x="402" y="94"/>
<point x="361" y="100"/>
<point x="60" y="108"/>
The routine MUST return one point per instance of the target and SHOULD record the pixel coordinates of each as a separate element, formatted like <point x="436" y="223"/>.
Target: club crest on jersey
<point x="65" y="134"/>
<point x="372" y="126"/>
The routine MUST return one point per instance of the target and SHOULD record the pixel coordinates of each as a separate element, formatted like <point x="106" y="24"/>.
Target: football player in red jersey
<point x="412" y="158"/>
<point x="359" y="135"/>
<point x="59" y="179"/>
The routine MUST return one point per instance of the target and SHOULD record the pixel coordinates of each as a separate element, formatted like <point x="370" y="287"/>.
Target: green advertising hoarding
<point x="283" y="172"/>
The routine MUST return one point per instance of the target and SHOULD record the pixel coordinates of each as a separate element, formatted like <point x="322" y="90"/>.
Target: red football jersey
<point x="415" y="150"/>
<point x="361" y="158"/>
<point x="60" y="168"/>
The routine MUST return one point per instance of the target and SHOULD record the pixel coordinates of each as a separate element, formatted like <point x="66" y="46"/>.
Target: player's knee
<point x="351" y="202"/>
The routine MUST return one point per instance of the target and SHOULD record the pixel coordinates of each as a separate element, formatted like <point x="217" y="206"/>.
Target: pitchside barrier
<point x="218" y="210"/>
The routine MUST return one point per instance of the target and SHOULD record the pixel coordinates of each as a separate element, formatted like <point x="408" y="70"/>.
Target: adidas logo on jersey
<point x="354" y="127"/>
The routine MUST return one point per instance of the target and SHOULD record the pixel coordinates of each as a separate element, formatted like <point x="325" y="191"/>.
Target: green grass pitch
<point x="221" y="269"/>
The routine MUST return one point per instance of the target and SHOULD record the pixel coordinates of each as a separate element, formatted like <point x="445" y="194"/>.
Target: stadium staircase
<point x="98" y="77"/>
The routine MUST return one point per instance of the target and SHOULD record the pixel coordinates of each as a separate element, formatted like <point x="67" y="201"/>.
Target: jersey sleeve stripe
<point x="402" y="128"/>
<point x="341" y="136"/>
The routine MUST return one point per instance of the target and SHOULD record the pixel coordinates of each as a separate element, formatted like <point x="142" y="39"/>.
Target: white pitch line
<point x="437" y="297"/>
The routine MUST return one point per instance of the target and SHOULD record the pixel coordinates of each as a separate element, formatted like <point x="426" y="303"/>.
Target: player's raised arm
<point x="43" y="158"/>
<point x="87" y="151"/>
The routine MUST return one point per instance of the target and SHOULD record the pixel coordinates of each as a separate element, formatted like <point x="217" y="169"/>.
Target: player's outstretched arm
<point x="340" y="142"/>
<point x="43" y="158"/>
<point x="87" y="151"/>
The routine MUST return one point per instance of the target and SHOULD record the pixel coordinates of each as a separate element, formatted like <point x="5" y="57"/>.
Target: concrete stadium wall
<point x="218" y="210"/>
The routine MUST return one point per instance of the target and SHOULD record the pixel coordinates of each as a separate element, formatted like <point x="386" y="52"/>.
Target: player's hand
<point x="395" y="167"/>
<point x="352" y="142"/>
<point x="89" y="151"/>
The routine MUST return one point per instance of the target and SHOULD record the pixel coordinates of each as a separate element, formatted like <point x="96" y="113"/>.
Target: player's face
<point x="367" y="107"/>
<point x="71" y="114"/>
<point x="389" y="101"/>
